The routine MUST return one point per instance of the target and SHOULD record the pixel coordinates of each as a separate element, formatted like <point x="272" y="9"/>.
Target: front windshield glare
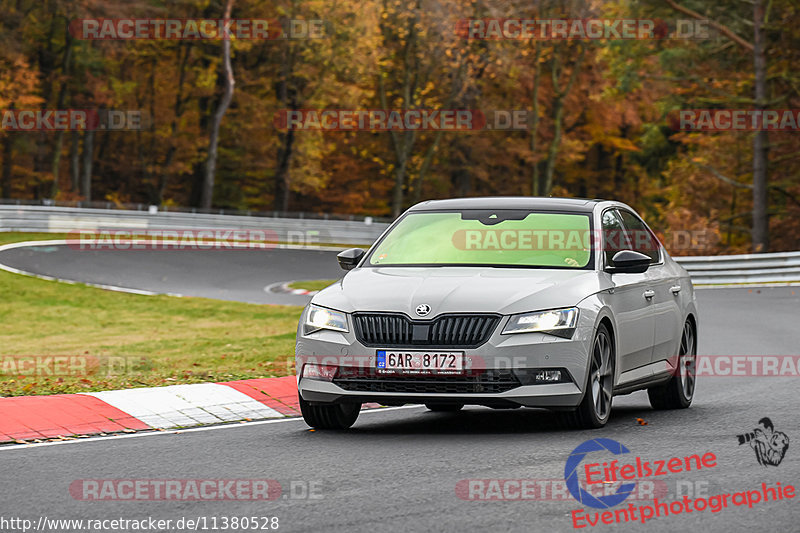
<point x="493" y="238"/>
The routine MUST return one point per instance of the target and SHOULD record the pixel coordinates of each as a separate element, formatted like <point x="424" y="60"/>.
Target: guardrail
<point x="292" y="230"/>
<point x="79" y="204"/>
<point x="743" y="269"/>
<point x="705" y="270"/>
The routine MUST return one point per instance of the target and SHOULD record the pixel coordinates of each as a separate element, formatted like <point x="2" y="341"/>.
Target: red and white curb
<point x="32" y="418"/>
<point x="282" y="287"/>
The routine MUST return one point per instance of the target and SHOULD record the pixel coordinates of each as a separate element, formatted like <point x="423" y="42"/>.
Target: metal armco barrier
<point x="705" y="270"/>
<point x="292" y="230"/>
<point x="740" y="269"/>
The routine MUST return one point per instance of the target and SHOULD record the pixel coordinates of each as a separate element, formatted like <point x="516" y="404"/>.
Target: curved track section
<point x="244" y="275"/>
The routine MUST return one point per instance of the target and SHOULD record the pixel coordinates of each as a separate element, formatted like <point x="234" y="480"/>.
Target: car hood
<point x="458" y="289"/>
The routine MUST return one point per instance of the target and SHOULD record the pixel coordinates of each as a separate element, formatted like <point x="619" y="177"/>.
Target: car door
<point x="664" y="283"/>
<point x="630" y="304"/>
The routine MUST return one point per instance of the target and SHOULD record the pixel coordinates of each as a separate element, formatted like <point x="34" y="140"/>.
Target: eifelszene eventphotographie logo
<point x="626" y="474"/>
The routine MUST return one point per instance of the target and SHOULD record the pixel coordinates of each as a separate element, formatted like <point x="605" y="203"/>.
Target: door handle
<point x="675" y="289"/>
<point x="649" y="293"/>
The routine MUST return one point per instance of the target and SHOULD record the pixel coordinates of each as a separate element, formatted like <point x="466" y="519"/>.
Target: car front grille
<point x="387" y="330"/>
<point x="368" y="380"/>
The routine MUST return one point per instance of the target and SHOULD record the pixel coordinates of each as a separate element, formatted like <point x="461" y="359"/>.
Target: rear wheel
<point x="679" y="390"/>
<point x="595" y="408"/>
<point x="330" y="416"/>
<point x="444" y="408"/>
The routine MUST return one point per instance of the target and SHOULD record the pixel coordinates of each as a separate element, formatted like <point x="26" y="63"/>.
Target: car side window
<point x="639" y="237"/>
<point x="613" y="234"/>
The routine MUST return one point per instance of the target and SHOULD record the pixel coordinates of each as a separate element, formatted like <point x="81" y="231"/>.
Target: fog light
<point x="541" y="376"/>
<point x="548" y="376"/>
<point x="319" y="372"/>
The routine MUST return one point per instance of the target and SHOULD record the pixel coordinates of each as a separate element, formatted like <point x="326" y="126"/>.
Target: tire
<point x="331" y="416"/>
<point x="678" y="392"/>
<point x="595" y="407"/>
<point x="444" y="408"/>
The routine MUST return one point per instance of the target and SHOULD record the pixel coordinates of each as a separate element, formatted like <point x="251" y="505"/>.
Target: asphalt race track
<point x="238" y="274"/>
<point x="397" y="469"/>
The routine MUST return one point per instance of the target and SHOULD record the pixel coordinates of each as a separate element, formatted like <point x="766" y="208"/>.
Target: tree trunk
<point x="62" y="96"/>
<point x="558" y="114"/>
<point x="760" y="235"/>
<point x="281" y="200"/>
<point x="204" y="109"/>
<point x="213" y="140"/>
<point x="535" y="185"/>
<point x="88" y="156"/>
<point x="5" y="177"/>
<point x="75" y="161"/>
<point x="552" y="152"/>
<point x="288" y="95"/>
<point x="426" y="164"/>
<point x="179" y="103"/>
<point x="403" y="142"/>
<point x="47" y="66"/>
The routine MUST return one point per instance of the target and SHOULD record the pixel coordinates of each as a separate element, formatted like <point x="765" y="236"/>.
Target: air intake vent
<point x="487" y="381"/>
<point x="387" y="330"/>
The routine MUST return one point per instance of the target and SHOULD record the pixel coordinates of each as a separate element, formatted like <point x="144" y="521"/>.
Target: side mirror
<point x="349" y="259"/>
<point x="628" y="262"/>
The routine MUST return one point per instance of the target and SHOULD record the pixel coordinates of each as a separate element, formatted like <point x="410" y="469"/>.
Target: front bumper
<point x="503" y="353"/>
<point x="554" y="396"/>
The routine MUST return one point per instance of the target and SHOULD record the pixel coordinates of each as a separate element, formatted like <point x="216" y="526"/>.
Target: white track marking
<point x="186" y="405"/>
<point x="146" y="433"/>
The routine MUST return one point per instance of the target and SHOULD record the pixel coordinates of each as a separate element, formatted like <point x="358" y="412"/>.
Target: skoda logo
<point x="423" y="309"/>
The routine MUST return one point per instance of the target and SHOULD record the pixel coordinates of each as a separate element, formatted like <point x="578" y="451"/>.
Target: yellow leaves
<point x="620" y="144"/>
<point x="18" y="83"/>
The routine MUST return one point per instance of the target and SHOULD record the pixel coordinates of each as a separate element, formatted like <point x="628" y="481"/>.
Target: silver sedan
<point x="502" y="302"/>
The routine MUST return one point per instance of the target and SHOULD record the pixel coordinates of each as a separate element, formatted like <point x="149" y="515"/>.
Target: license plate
<point x="419" y="362"/>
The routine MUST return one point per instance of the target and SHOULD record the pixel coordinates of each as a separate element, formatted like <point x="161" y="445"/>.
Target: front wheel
<point x="331" y="416"/>
<point x="679" y="390"/>
<point x="595" y="408"/>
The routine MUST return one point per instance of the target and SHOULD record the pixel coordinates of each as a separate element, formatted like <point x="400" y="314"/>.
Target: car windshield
<point x="516" y="238"/>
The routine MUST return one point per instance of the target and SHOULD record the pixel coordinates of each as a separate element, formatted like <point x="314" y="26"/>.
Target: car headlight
<point x="318" y="318"/>
<point x="559" y="322"/>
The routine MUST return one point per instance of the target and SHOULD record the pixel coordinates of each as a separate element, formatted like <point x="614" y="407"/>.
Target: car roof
<point x="580" y="205"/>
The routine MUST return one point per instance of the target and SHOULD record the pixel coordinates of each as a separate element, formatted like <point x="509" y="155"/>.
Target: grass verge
<point x="115" y="340"/>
